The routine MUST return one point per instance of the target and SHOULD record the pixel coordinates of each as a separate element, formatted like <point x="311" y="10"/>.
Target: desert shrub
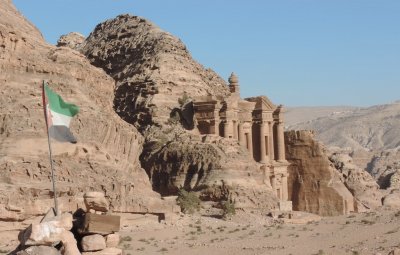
<point x="174" y="120"/>
<point x="184" y="99"/>
<point x="228" y="209"/>
<point x="188" y="201"/>
<point x="125" y="239"/>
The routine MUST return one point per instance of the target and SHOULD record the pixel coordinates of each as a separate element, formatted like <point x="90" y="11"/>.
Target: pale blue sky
<point x="297" y="52"/>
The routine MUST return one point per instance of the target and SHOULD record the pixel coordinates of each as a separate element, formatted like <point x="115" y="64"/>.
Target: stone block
<point x="100" y="224"/>
<point x="93" y="243"/>
<point x="69" y="245"/>
<point x="48" y="232"/>
<point x="107" y="251"/>
<point x="112" y="240"/>
<point x="40" y="250"/>
<point x="285" y="206"/>
<point x="96" y="201"/>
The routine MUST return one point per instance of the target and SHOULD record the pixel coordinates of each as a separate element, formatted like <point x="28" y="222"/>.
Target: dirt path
<point x="368" y="233"/>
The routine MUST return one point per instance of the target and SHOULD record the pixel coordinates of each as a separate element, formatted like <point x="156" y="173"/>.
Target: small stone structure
<point x="55" y="235"/>
<point x="256" y="123"/>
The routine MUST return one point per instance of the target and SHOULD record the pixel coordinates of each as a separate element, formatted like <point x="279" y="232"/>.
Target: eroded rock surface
<point x="71" y="40"/>
<point x="155" y="80"/>
<point x="106" y="156"/>
<point x="152" y="68"/>
<point x="360" y="183"/>
<point x="217" y="168"/>
<point x="314" y="184"/>
<point x="385" y="168"/>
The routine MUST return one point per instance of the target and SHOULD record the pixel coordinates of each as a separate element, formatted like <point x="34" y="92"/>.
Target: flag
<point x="58" y="115"/>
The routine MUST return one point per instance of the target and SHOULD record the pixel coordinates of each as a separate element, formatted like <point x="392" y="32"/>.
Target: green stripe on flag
<point x="58" y="105"/>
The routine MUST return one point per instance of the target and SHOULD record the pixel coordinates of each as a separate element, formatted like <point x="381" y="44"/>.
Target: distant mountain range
<point x="372" y="128"/>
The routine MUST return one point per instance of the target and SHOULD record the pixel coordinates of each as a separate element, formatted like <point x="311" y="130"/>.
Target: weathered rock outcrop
<point x="384" y="167"/>
<point x="71" y="40"/>
<point x="314" y="184"/>
<point x="155" y="79"/>
<point x="152" y="68"/>
<point x="218" y="169"/>
<point x="106" y="156"/>
<point x="360" y="183"/>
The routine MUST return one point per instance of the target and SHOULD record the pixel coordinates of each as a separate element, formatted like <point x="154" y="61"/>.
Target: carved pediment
<point x="262" y="103"/>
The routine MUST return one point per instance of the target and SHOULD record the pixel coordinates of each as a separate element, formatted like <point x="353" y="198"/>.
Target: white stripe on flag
<point x="58" y="119"/>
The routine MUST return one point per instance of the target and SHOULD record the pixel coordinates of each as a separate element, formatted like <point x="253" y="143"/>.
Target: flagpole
<point x="50" y="151"/>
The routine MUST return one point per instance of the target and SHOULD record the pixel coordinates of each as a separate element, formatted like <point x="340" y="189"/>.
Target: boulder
<point x="392" y="200"/>
<point x="107" y="251"/>
<point x="39" y="250"/>
<point x="69" y="245"/>
<point x="93" y="243"/>
<point x="112" y="240"/>
<point x="96" y="201"/>
<point x="48" y="232"/>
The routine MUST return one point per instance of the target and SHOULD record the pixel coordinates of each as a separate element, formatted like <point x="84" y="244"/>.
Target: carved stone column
<point x="281" y="142"/>
<point x="263" y="151"/>
<point x="215" y="127"/>
<point x="235" y="130"/>
<point x="271" y="151"/>
<point x="250" y="142"/>
<point x="217" y="121"/>
<point x="227" y="130"/>
<point x="242" y="138"/>
<point x="285" y="195"/>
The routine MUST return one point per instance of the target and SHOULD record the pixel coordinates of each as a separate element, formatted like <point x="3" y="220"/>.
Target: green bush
<point x="184" y="99"/>
<point x="188" y="201"/>
<point x="228" y="209"/>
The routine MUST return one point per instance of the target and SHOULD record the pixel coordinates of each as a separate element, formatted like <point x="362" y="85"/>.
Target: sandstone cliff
<point x="155" y="80"/>
<point x="314" y="184"/>
<point x="217" y="168"/>
<point x="153" y="69"/>
<point x="360" y="183"/>
<point x="106" y="156"/>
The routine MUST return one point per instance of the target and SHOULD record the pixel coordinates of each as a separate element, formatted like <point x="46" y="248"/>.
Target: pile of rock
<point x="100" y="231"/>
<point x="97" y="244"/>
<point x="96" y="231"/>
<point x="43" y="238"/>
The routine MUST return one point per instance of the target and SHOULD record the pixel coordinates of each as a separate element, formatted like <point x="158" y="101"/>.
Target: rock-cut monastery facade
<point x="258" y="126"/>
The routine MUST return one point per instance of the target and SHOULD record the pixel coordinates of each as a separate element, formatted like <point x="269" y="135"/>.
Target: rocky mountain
<point x="152" y="68"/>
<point x="303" y="114"/>
<point x="375" y="128"/>
<point x="371" y="136"/>
<point x="147" y="81"/>
<point x="106" y="158"/>
<point x="327" y="182"/>
<point x="156" y="78"/>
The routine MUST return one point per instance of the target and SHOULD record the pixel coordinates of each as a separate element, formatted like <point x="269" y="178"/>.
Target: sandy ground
<point x="367" y="233"/>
